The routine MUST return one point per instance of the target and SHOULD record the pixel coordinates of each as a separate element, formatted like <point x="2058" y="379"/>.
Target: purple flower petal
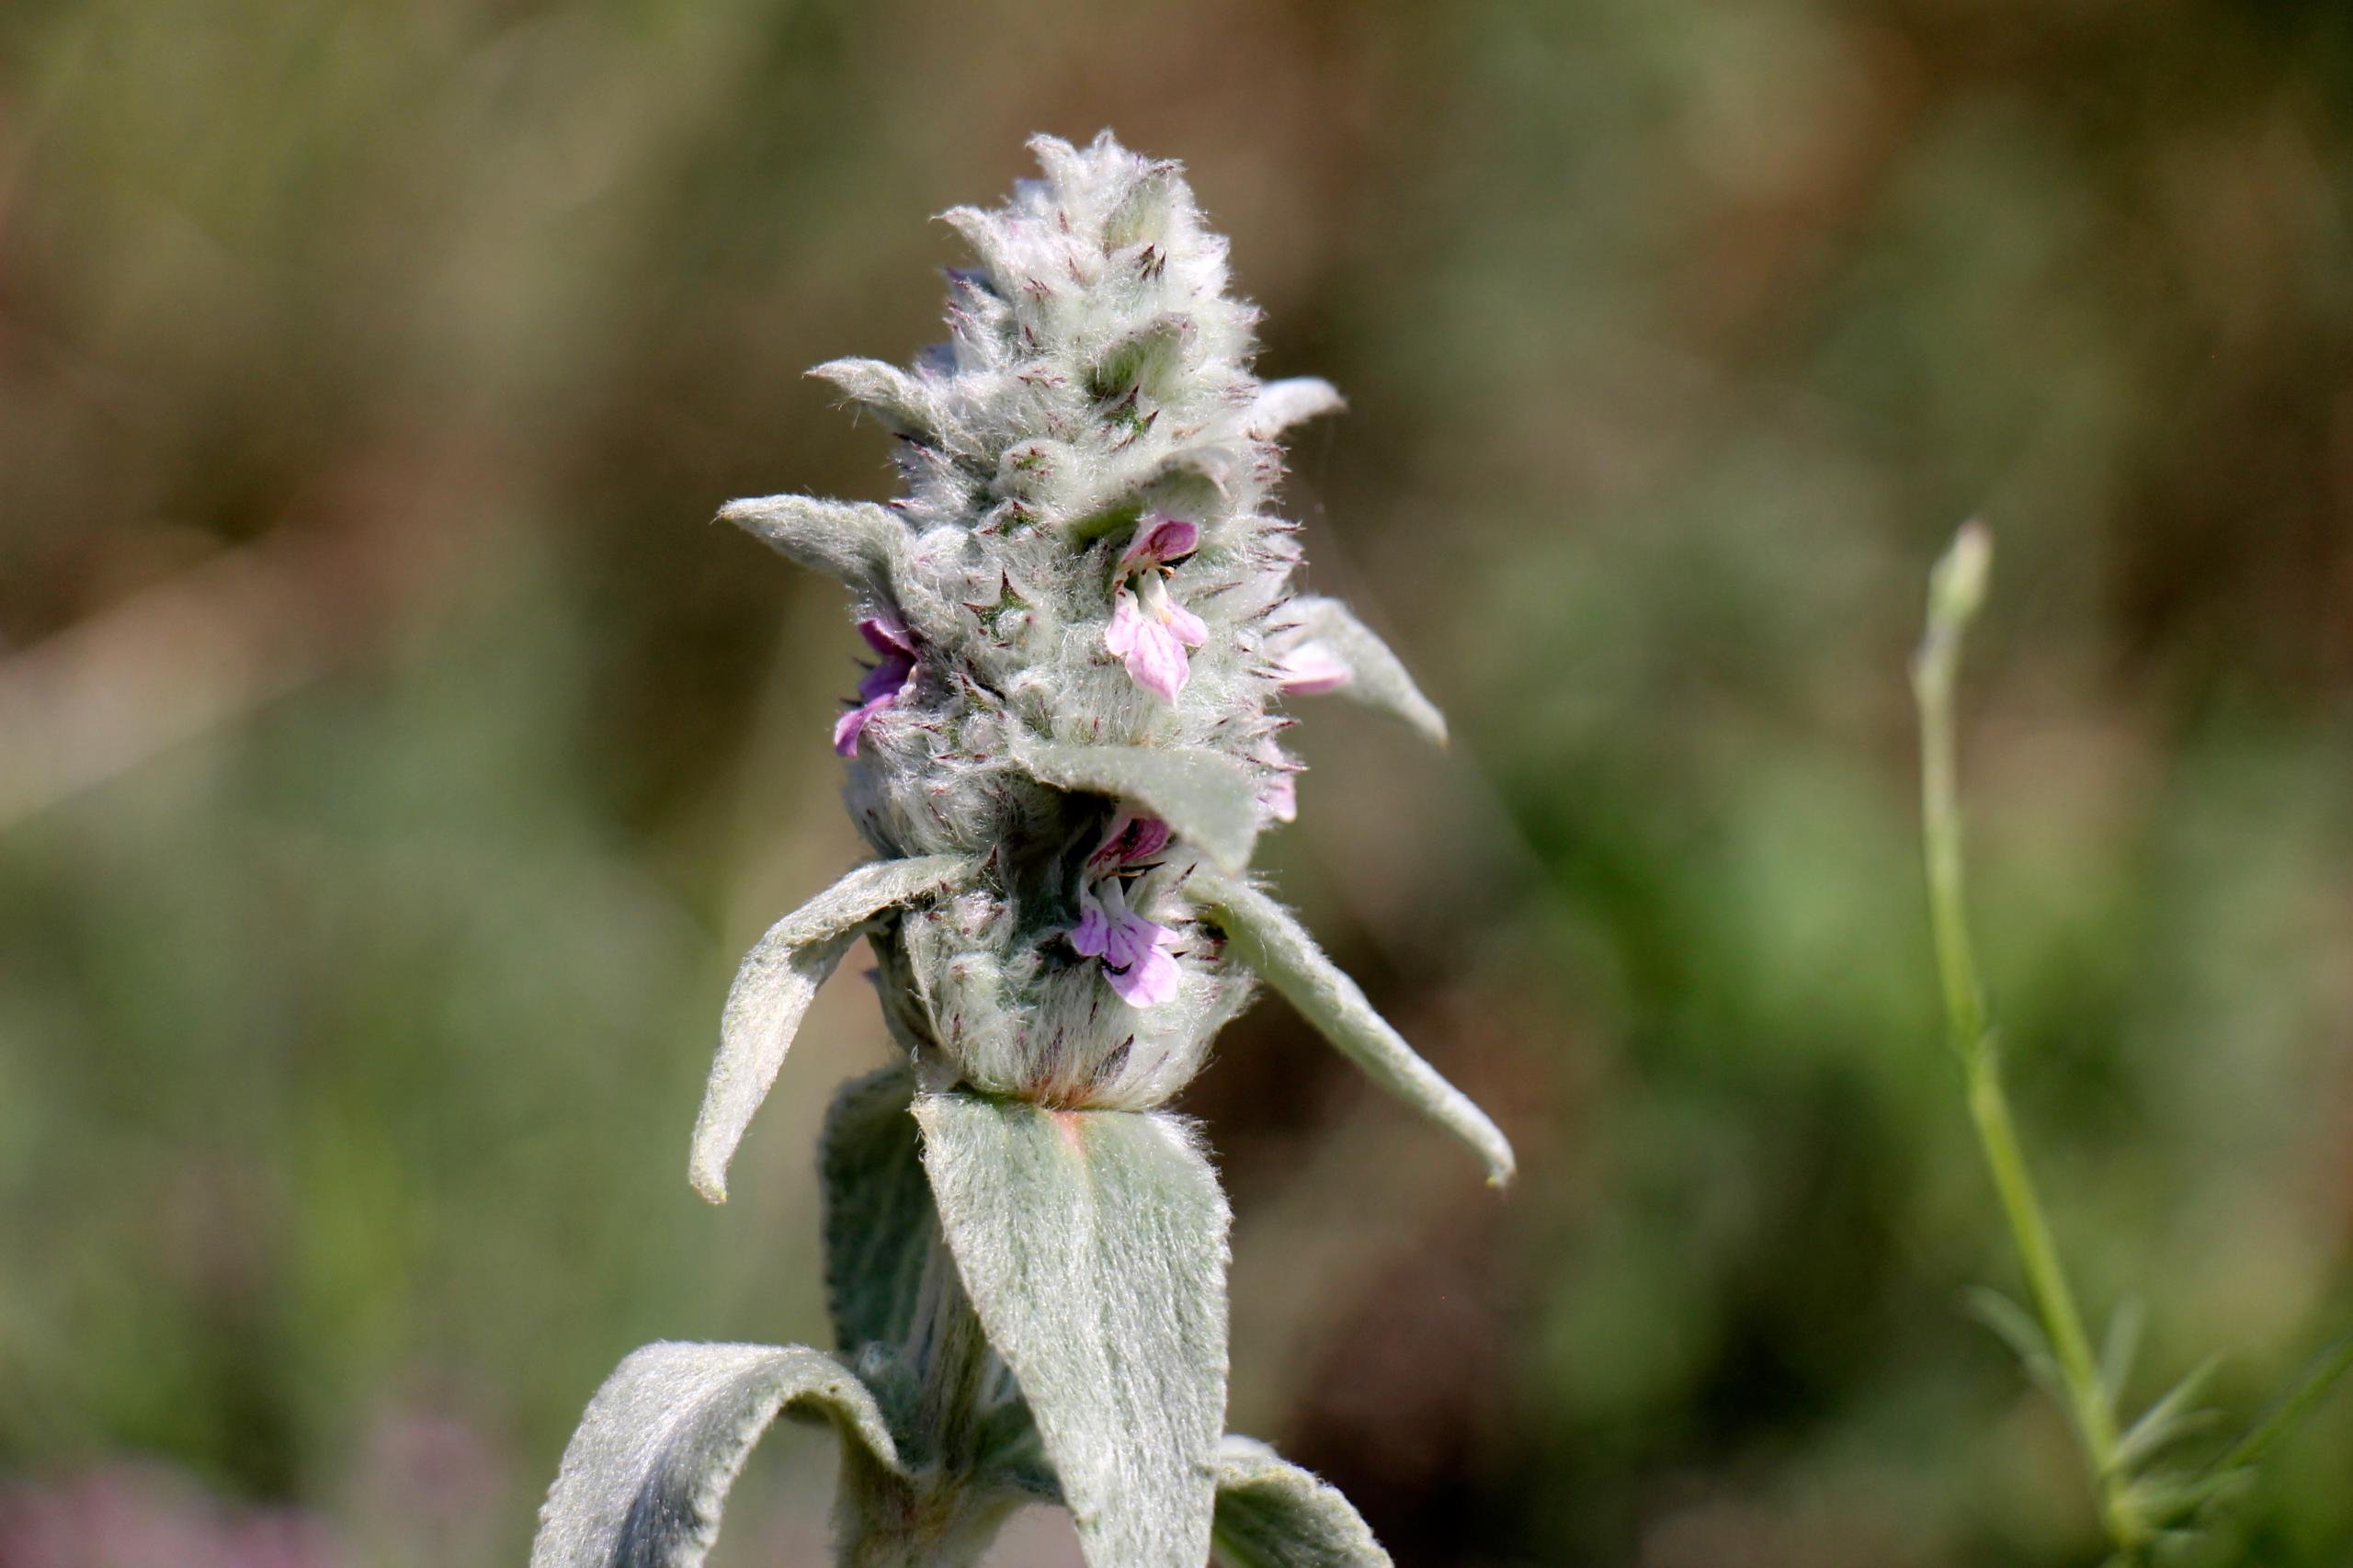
<point x="883" y="684"/>
<point x="886" y="637"/>
<point x="888" y="679"/>
<point x="1160" y="538"/>
<point x="1129" y="841"/>
<point x="1092" y="932"/>
<point x="852" y="724"/>
<point x="1152" y="980"/>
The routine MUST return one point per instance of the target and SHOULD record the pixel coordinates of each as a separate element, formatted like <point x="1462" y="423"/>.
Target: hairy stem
<point x="1955" y="592"/>
<point x="935" y="1517"/>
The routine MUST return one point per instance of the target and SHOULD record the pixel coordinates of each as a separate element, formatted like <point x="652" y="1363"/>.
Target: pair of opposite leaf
<point x="1085" y="1233"/>
<point x="1061" y="1265"/>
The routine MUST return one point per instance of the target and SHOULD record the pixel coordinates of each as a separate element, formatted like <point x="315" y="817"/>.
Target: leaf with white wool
<point x="644" y="1477"/>
<point x="878" y="1219"/>
<point x="1282" y="404"/>
<point x="1209" y="799"/>
<point x="902" y="402"/>
<point x="773" y="988"/>
<point x="1272" y="1514"/>
<point x="1093" y="1244"/>
<point x="857" y="541"/>
<point x="1268" y="939"/>
<point x="1376" y="676"/>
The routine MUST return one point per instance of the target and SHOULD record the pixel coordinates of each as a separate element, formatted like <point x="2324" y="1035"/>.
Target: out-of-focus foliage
<point x="391" y="758"/>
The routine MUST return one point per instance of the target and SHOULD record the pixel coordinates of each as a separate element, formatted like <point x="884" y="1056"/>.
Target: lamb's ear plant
<point x="2155" y="1494"/>
<point x="1083" y="623"/>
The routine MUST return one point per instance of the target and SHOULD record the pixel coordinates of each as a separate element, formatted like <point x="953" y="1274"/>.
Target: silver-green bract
<point x="1083" y="610"/>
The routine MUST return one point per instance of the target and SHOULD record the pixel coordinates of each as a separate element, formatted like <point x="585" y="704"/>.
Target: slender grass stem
<point x="2332" y="1364"/>
<point x="1955" y="591"/>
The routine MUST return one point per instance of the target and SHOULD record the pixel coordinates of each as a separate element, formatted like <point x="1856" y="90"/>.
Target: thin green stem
<point x="1954" y="593"/>
<point x="2332" y="1364"/>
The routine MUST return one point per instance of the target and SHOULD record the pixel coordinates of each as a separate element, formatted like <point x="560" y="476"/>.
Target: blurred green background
<point x="394" y="760"/>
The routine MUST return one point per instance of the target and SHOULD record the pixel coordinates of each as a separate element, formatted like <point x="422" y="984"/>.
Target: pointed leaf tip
<point x="856" y="542"/>
<point x="1268" y="939"/>
<point x="1282" y="404"/>
<point x="1271" y="1514"/>
<point x="1376" y="676"/>
<point x="772" y="992"/>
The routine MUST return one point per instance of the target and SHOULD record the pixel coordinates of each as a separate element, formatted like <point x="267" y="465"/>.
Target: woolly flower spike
<point x="884" y="685"/>
<point x="1026" y="1256"/>
<point x="1086" y="564"/>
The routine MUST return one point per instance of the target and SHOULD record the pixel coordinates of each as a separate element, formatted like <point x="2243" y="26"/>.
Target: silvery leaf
<point x="773" y="990"/>
<point x="899" y="400"/>
<point x="1271" y="1514"/>
<point x="645" y="1475"/>
<point x="856" y="542"/>
<point x="878" y="1220"/>
<point x="1267" y="939"/>
<point x="1376" y="676"/>
<point x="1211" y="799"/>
<point x="1282" y="404"/>
<point x="1093" y="1246"/>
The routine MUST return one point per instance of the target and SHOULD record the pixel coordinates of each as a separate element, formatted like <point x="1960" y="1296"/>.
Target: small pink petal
<point x="1129" y="839"/>
<point x="1130" y="938"/>
<point x="1157" y="660"/>
<point x="1127" y="622"/>
<point x="1158" y="539"/>
<point x="1187" y="627"/>
<point x="1092" y="932"/>
<point x="1311" y="669"/>
<point x="1150" y="980"/>
<point x="1280" y="797"/>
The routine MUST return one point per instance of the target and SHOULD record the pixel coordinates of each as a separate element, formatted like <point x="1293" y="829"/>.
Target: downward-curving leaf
<point x="877" y="1209"/>
<point x="1268" y="939"/>
<point x="1271" y="1514"/>
<point x="856" y="542"/>
<point x="1376" y="676"/>
<point x="779" y="977"/>
<point x="1093" y="1246"/>
<point x="644" y="1477"/>
<point x="1282" y="404"/>
<point x="1210" y="799"/>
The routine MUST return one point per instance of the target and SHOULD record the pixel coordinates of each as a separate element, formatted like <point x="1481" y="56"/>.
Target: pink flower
<point x="1132" y="842"/>
<point x="892" y="678"/>
<point x="1148" y="629"/>
<point x="1160" y="538"/>
<point x="1134" y="950"/>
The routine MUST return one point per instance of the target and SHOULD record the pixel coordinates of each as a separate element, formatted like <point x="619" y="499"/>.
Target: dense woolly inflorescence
<point x="1083" y="567"/>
